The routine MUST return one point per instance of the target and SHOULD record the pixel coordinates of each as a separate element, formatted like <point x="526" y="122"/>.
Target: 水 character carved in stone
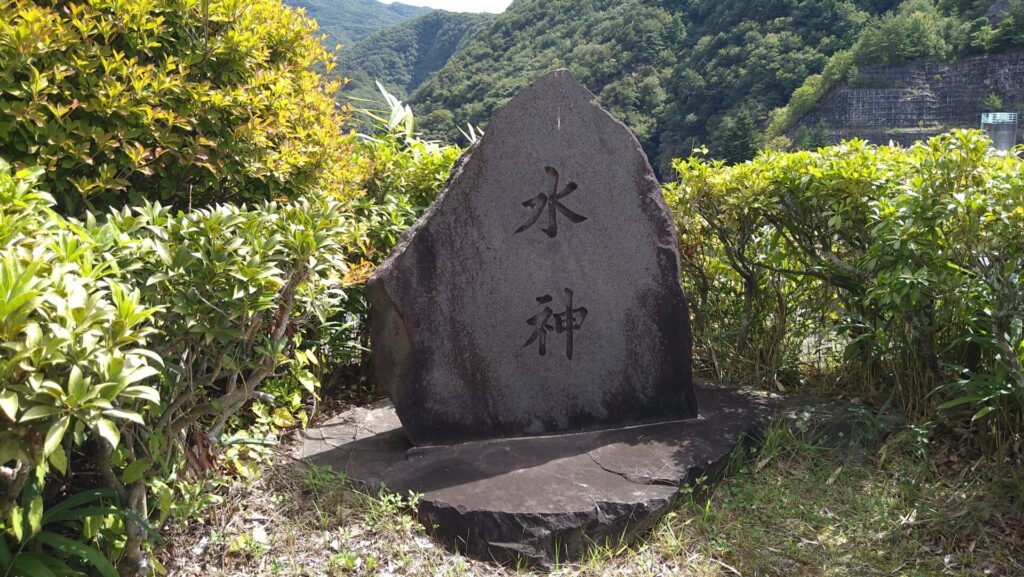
<point x="553" y="202"/>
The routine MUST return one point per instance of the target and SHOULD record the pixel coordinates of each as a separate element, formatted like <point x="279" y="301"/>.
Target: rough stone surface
<point x="541" y="498"/>
<point x="540" y="293"/>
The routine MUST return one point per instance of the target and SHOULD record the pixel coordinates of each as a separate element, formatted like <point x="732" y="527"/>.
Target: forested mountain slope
<point x="622" y="50"/>
<point x="346" y="22"/>
<point x="678" y="74"/>
<point x="401" y="57"/>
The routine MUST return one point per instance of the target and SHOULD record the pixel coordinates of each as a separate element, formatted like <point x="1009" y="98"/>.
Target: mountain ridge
<point x="678" y="74"/>
<point x="402" y="56"/>
<point x="724" y="74"/>
<point x="346" y="22"/>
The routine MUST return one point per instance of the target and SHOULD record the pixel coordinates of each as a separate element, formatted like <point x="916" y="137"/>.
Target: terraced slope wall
<point x="916" y="100"/>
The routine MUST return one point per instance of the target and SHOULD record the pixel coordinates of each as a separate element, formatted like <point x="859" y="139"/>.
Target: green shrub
<point x="174" y="100"/>
<point x="892" y="272"/>
<point x="993" y="102"/>
<point x="402" y="177"/>
<point x="397" y="175"/>
<point x="130" y="340"/>
<point x="72" y="361"/>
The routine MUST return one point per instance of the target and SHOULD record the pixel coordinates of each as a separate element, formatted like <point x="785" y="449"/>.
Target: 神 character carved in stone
<point x="567" y="322"/>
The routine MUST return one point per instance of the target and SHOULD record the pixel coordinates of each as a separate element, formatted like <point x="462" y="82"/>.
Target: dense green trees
<point x="688" y="74"/>
<point x="916" y="30"/>
<point x="747" y="58"/>
<point x="347" y="22"/>
<point x="403" y="56"/>
<point x="623" y="51"/>
<point x="738" y="137"/>
<point x="678" y="75"/>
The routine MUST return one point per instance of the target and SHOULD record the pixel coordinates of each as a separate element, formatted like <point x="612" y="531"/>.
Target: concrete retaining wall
<point x="916" y="100"/>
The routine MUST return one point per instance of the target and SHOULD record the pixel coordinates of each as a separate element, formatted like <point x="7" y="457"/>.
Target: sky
<point x="496" y="6"/>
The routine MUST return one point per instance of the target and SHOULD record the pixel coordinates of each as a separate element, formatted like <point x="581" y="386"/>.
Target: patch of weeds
<point x="317" y="524"/>
<point x="347" y="562"/>
<point x="796" y="507"/>
<point x="600" y="554"/>
<point x="392" y="512"/>
<point x="252" y="545"/>
<point x="319" y="479"/>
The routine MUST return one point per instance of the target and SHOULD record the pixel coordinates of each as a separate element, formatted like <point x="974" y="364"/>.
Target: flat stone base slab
<point x="540" y="499"/>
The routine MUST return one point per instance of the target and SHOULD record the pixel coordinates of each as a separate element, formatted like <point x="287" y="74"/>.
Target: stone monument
<point x="541" y="291"/>
<point x="533" y="337"/>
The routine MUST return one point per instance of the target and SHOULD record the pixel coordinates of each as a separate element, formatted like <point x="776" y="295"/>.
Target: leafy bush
<point x="892" y="272"/>
<point x="175" y="100"/>
<point x="397" y="175"/>
<point x="129" y="341"/>
<point x="993" y="102"/>
<point x="72" y="360"/>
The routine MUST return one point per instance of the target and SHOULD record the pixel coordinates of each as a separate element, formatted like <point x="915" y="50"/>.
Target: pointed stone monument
<point x="534" y="339"/>
<point x="541" y="292"/>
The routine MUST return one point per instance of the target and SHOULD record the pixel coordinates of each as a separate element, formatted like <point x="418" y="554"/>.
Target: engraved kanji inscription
<point x="566" y="323"/>
<point x="553" y="203"/>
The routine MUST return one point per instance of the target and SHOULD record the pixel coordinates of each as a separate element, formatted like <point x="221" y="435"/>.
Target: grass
<point x="917" y="507"/>
<point x="800" y="509"/>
